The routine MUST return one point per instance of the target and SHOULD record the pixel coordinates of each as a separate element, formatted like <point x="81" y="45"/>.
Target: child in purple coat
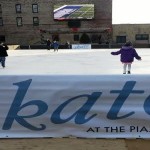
<point x="127" y="54"/>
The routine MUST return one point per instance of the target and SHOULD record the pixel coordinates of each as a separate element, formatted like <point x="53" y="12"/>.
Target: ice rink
<point x="71" y="62"/>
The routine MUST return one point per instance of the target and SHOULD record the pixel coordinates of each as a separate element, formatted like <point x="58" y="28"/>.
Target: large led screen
<point x="69" y="12"/>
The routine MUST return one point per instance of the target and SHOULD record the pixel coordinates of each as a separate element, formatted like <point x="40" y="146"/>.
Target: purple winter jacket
<point x="127" y="54"/>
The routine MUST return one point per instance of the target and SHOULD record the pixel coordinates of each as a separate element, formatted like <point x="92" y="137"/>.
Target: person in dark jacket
<point x="127" y="54"/>
<point x="3" y="54"/>
<point x="67" y="45"/>
<point x="48" y="43"/>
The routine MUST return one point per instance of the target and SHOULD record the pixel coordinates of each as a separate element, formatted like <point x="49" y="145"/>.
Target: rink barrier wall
<point x="60" y="47"/>
<point x="93" y="46"/>
<point x="84" y="106"/>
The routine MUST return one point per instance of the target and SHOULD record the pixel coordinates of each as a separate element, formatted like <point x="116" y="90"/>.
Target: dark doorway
<point x="55" y="37"/>
<point x="2" y="38"/>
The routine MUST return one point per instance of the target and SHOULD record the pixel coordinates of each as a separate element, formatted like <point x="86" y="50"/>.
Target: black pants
<point x="49" y="47"/>
<point x="2" y="60"/>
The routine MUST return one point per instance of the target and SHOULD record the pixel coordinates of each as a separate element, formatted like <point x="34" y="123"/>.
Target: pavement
<point x="71" y="62"/>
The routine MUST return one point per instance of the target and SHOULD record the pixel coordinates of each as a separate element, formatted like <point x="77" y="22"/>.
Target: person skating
<point x="48" y="42"/>
<point x="55" y="45"/>
<point x="3" y="53"/>
<point x="127" y="54"/>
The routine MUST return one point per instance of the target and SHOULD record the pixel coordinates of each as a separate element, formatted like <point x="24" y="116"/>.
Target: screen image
<point x="68" y="12"/>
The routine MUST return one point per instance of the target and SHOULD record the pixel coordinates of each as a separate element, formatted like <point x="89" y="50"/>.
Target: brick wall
<point x="29" y="34"/>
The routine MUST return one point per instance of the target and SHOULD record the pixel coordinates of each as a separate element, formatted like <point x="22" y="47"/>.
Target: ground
<point x="71" y="62"/>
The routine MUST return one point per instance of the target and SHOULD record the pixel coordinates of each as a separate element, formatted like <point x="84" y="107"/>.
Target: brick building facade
<point x="138" y="34"/>
<point x="31" y="21"/>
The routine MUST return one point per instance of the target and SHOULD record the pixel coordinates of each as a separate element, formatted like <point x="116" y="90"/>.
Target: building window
<point x="35" y="21"/>
<point x="35" y="8"/>
<point x="18" y="8"/>
<point x="1" y="21"/>
<point x="95" y="38"/>
<point x="76" y="37"/>
<point x="19" y="21"/>
<point x="0" y="8"/>
<point x="121" y="39"/>
<point x="142" y="37"/>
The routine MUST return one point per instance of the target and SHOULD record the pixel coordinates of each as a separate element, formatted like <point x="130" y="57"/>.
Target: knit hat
<point x="128" y="43"/>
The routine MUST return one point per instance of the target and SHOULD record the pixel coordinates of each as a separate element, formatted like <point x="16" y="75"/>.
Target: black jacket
<point x="3" y="50"/>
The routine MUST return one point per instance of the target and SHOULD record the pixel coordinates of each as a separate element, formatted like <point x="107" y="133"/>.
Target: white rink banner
<point x="104" y="106"/>
<point x="81" y="46"/>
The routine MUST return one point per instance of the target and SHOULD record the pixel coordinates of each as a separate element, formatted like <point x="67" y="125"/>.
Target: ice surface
<point x="71" y="62"/>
